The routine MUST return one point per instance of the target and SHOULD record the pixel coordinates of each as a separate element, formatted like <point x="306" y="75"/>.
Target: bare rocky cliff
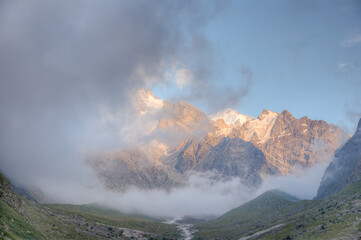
<point x="234" y="157"/>
<point x="184" y="139"/>
<point x="345" y="168"/>
<point x="287" y="142"/>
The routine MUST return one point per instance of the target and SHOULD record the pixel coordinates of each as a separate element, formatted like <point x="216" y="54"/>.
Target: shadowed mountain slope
<point x="345" y="167"/>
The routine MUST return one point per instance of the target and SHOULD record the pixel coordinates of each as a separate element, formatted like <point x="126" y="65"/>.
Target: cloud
<point x="346" y="67"/>
<point x="215" y="97"/>
<point x="352" y="41"/>
<point x="204" y="195"/>
<point x="183" y="77"/>
<point x="64" y="64"/>
<point x="303" y="186"/>
<point x="201" y="197"/>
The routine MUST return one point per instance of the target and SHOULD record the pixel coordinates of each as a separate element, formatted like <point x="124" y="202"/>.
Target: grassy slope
<point x="336" y="217"/>
<point x="94" y="214"/>
<point x="28" y="220"/>
<point x="271" y="208"/>
<point x="14" y="226"/>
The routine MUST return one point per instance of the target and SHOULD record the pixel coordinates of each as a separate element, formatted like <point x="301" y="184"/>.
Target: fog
<point x="202" y="197"/>
<point x="303" y="185"/>
<point x="65" y="65"/>
<point x="68" y="65"/>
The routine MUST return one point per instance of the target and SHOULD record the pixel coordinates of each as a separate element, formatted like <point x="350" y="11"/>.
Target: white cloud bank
<point x="303" y="185"/>
<point x="202" y="196"/>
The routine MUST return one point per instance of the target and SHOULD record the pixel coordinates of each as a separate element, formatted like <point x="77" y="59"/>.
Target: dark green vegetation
<point x="21" y="218"/>
<point x="14" y="226"/>
<point x="280" y="217"/>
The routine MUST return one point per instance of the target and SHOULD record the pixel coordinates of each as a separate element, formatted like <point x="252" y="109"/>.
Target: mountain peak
<point x="231" y="116"/>
<point x="286" y="113"/>
<point x="267" y="114"/>
<point x="145" y="92"/>
<point x="145" y="100"/>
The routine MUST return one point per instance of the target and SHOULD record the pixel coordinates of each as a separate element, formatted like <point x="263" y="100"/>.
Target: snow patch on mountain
<point x="231" y="116"/>
<point x="262" y="126"/>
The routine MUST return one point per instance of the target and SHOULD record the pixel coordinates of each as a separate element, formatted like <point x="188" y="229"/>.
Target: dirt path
<point x="261" y="232"/>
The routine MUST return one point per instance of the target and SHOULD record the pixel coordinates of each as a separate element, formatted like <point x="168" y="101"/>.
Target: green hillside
<point x="269" y="209"/>
<point x="24" y="219"/>
<point x="275" y="215"/>
<point x="14" y="226"/>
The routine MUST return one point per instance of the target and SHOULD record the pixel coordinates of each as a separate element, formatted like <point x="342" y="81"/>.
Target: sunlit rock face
<point x="286" y="141"/>
<point x="181" y="139"/>
<point x="345" y="167"/>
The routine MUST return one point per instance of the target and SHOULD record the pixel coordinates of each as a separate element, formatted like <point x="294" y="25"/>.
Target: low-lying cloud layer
<point x="303" y="185"/>
<point x="200" y="198"/>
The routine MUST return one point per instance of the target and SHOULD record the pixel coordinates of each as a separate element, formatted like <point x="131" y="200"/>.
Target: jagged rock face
<point x="230" y="157"/>
<point x="287" y="142"/>
<point x="192" y="151"/>
<point x="9" y="196"/>
<point x="345" y="167"/>
<point x="236" y="158"/>
<point x="184" y="117"/>
<point x="184" y="139"/>
<point x="180" y="116"/>
<point x="126" y="168"/>
<point x="301" y="142"/>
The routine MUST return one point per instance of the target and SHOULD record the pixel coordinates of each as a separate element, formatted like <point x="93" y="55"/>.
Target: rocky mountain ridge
<point x="182" y="138"/>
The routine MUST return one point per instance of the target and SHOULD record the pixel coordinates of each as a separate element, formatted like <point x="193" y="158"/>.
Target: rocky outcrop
<point x="191" y="152"/>
<point x="288" y="142"/>
<point x="345" y="167"/>
<point x="228" y="157"/>
<point x="236" y="158"/>
<point x="183" y="117"/>
<point x="126" y="168"/>
<point x="8" y="196"/>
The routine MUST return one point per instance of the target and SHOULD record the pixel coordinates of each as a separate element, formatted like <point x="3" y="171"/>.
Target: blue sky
<point x="305" y="56"/>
